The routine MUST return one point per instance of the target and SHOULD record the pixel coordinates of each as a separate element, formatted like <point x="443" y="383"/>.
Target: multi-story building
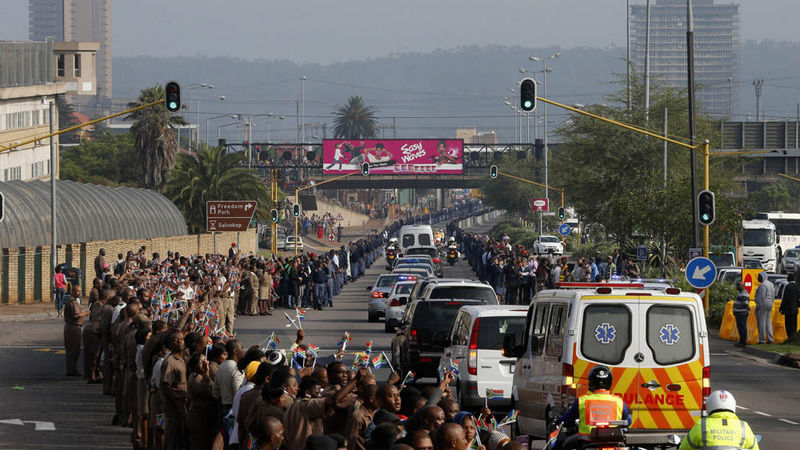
<point x="717" y="49"/>
<point x="26" y="91"/>
<point x="75" y="66"/>
<point x="79" y="21"/>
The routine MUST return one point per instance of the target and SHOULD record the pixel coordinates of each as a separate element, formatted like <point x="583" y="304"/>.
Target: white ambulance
<point x="654" y="340"/>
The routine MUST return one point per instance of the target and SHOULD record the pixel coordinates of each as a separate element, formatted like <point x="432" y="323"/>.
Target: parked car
<point x="289" y="244"/>
<point x="789" y="261"/>
<point x="476" y="342"/>
<point x="729" y="275"/>
<point x="752" y="263"/>
<point x="548" y="245"/>
<point x="281" y="241"/>
<point x="726" y="259"/>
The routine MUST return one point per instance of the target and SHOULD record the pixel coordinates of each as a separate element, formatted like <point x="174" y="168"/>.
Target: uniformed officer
<point x="598" y="406"/>
<point x="73" y="320"/>
<point x="721" y="429"/>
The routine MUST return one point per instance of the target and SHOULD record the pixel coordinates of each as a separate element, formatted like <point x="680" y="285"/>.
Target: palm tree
<point x="355" y="120"/>
<point x="155" y="136"/>
<point x="211" y="174"/>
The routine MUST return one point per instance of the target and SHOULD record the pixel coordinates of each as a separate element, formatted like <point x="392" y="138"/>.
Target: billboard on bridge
<point x="394" y="156"/>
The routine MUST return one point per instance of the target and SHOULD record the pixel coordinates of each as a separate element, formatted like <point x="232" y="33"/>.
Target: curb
<point x="770" y="356"/>
<point x="28" y="317"/>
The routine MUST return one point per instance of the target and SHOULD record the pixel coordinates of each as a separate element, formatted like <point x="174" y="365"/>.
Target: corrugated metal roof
<point x="86" y="212"/>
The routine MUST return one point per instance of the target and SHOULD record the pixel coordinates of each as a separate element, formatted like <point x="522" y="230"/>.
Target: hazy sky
<point x="327" y="31"/>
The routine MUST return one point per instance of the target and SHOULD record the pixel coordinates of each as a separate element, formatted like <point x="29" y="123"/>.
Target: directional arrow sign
<point x="701" y="272"/>
<point x="224" y="215"/>
<point x="564" y="229"/>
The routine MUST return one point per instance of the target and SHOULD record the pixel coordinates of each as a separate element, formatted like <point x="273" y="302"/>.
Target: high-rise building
<point x="716" y="49"/>
<point x="78" y="21"/>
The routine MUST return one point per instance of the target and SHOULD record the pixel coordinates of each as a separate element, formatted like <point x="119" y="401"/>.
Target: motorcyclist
<point x="721" y="428"/>
<point x="595" y="407"/>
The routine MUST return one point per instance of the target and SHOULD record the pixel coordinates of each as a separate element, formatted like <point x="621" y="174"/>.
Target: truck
<point x="759" y="242"/>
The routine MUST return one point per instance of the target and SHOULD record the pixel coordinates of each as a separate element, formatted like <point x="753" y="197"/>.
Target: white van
<point x="476" y="341"/>
<point x="415" y="236"/>
<point x="654" y="340"/>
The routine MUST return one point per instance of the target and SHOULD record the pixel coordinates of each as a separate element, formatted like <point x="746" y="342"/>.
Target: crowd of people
<point x="517" y="274"/>
<point x="158" y="334"/>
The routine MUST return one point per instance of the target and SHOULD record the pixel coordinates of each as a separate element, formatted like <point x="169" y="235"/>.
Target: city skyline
<point x="326" y="33"/>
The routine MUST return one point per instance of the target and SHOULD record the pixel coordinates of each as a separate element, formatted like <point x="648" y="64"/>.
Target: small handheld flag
<point x="510" y="418"/>
<point x="313" y="349"/>
<point x="369" y="348"/>
<point x="379" y="361"/>
<point x="454" y="366"/>
<point x="494" y="394"/>
<point x="409" y="378"/>
<point x="291" y="321"/>
<point x="342" y="344"/>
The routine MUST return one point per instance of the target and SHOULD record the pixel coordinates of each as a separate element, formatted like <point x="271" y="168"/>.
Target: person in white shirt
<point x="338" y="157"/>
<point x="249" y="372"/>
<point x="229" y="378"/>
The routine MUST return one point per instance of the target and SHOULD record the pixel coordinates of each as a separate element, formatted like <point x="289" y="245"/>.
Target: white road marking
<point x="789" y="422"/>
<point x="762" y="414"/>
<point x="741" y="407"/>
<point x="717" y="354"/>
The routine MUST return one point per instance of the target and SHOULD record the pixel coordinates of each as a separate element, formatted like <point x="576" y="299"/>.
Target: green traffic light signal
<point x="296" y="210"/>
<point x="706" y="208"/>
<point x="493" y="171"/>
<point x="172" y="94"/>
<point x="527" y="94"/>
<point x="274" y="215"/>
<point x="365" y="169"/>
<point x="561" y="213"/>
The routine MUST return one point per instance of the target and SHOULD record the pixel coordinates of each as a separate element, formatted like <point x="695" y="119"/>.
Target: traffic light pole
<point x="297" y="200"/>
<point x="523" y="180"/>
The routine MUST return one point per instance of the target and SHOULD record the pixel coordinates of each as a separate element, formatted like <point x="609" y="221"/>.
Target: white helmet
<point x="721" y="401"/>
<point x="452" y="239"/>
<point x="392" y="240"/>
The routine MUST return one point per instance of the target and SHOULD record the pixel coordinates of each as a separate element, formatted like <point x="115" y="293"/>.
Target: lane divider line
<point x="762" y="414"/>
<point x="789" y="422"/>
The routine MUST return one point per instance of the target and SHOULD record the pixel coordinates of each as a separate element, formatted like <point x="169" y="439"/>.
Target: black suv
<point x="417" y="346"/>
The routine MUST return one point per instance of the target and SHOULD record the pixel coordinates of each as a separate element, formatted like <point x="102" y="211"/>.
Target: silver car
<point x="789" y="261"/>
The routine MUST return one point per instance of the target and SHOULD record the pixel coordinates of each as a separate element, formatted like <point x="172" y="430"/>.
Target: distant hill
<point x="429" y="95"/>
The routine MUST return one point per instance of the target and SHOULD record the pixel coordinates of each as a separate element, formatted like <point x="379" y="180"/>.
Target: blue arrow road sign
<point x="701" y="272"/>
<point x="564" y="229"/>
<point x="641" y="253"/>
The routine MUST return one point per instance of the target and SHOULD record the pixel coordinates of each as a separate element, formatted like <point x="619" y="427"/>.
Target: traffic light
<point x="365" y="169"/>
<point x="172" y="92"/>
<point x="273" y="214"/>
<point x="706" y="208"/>
<point x="561" y="213"/>
<point x="527" y="94"/>
<point x="296" y="210"/>
<point x="493" y="171"/>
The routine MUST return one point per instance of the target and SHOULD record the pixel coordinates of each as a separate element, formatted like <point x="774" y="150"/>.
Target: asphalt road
<point x="31" y="357"/>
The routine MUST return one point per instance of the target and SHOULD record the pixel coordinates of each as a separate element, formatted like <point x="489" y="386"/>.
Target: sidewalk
<point x="729" y="347"/>
<point x="27" y="312"/>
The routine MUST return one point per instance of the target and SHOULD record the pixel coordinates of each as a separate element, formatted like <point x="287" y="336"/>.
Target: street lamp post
<point x="220" y="127"/>
<point x="270" y="116"/>
<point x="544" y="88"/>
<point x="213" y="118"/>
<point x="189" y="103"/>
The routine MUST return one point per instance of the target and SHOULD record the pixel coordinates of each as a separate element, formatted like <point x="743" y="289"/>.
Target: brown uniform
<point x="91" y="342"/>
<point x="106" y="312"/>
<point x="250" y="293"/>
<point x="265" y="291"/>
<point x="174" y="394"/>
<point x="72" y="334"/>
<point x="357" y="427"/>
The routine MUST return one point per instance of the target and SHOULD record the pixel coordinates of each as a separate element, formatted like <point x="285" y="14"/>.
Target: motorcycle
<point x="452" y="256"/>
<point x="605" y="436"/>
<point x="391" y="256"/>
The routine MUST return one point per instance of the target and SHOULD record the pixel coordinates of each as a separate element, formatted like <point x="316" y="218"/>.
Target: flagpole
<point x="387" y="361"/>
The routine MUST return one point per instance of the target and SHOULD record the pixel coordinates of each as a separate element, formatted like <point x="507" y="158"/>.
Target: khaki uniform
<point x="227" y="310"/>
<point x="174" y="393"/>
<point x="91" y="343"/>
<point x="251" y="291"/>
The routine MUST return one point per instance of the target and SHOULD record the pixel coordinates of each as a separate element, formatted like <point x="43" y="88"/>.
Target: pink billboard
<point x="393" y="156"/>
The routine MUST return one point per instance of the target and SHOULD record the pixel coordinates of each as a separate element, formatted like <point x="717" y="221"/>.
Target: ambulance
<point x="654" y="340"/>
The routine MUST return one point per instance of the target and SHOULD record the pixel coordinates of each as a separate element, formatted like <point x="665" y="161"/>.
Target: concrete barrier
<point x="728" y="330"/>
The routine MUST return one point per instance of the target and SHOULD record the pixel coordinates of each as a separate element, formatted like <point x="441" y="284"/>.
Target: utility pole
<point x="758" y="83"/>
<point x="647" y="65"/>
<point x="664" y="236"/>
<point x="690" y="85"/>
<point x="53" y="248"/>
<point x="627" y="59"/>
<point x="302" y="108"/>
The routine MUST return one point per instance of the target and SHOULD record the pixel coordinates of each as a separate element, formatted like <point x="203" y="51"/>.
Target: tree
<point x="355" y="120"/>
<point x="66" y="119"/>
<point x="211" y="174"/>
<point x="155" y="136"/>
<point x="108" y="159"/>
<point x="773" y="197"/>
<point x="614" y="177"/>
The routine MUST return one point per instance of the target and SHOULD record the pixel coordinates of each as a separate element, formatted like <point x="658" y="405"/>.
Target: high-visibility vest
<point x="722" y="430"/>
<point x="597" y="408"/>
